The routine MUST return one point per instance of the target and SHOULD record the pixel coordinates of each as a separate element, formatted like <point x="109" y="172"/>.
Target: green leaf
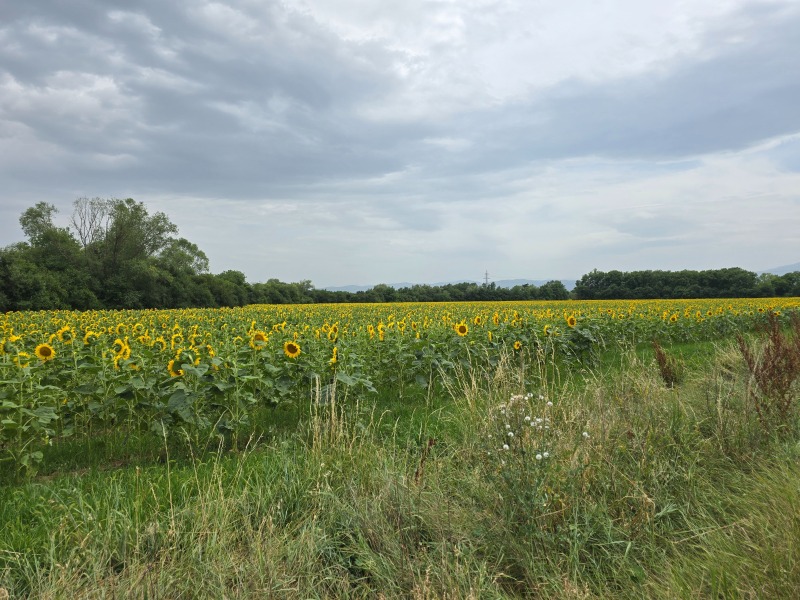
<point x="346" y="379"/>
<point x="87" y="388"/>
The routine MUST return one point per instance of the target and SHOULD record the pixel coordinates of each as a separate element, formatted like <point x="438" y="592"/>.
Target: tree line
<point x="115" y="254"/>
<point x="716" y="283"/>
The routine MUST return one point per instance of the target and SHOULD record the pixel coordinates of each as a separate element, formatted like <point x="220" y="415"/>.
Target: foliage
<point x="206" y="373"/>
<point x="719" y="283"/>
<point x="774" y="371"/>
<point x="637" y="497"/>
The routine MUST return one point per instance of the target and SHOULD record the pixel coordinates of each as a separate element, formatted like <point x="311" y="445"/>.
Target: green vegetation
<point x="715" y="283"/>
<point x="116" y="255"/>
<point x="614" y="483"/>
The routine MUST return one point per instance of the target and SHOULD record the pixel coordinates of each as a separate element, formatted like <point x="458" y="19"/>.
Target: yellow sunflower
<point x="335" y="357"/>
<point x="258" y="340"/>
<point x="517" y="345"/>
<point x="22" y="359"/>
<point x="172" y="371"/>
<point x="44" y="352"/>
<point x="546" y="330"/>
<point x="65" y="334"/>
<point x="462" y="329"/>
<point x="571" y="321"/>
<point x="291" y="349"/>
<point x="89" y="337"/>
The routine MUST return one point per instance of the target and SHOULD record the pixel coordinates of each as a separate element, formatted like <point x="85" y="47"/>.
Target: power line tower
<point x="486" y="278"/>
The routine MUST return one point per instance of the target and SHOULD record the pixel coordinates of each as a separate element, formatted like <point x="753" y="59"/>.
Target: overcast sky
<point x="362" y="141"/>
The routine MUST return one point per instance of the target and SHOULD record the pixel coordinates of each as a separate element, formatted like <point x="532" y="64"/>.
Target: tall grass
<point x="613" y="484"/>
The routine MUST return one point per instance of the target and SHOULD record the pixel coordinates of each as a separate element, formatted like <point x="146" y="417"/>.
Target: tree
<point x="90" y="219"/>
<point x="37" y="221"/>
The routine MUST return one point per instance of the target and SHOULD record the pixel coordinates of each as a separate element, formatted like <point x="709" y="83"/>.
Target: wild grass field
<point x="403" y="451"/>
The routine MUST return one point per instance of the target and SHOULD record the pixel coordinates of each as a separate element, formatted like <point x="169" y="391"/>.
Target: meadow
<point x="527" y="449"/>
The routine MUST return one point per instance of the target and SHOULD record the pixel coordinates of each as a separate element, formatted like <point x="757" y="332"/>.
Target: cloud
<point x="346" y="141"/>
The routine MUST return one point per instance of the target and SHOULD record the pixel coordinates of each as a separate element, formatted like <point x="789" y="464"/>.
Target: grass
<point x="674" y="492"/>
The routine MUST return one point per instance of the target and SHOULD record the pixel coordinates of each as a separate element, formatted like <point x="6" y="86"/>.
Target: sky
<point x="365" y="142"/>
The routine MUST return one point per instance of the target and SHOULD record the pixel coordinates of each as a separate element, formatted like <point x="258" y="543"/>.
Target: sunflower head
<point x="22" y="359"/>
<point x="172" y="371"/>
<point x="118" y="347"/>
<point x="258" y="340"/>
<point x="335" y="356"/>
<point x="571" y="321"/>
<point x="517" y="345"/>
<point x="65" y="334"/>
<point x="291" y="349"/>
<point x="546" y="330"/>
<point x="45" y="352"/>
<point x="462" y="329"/>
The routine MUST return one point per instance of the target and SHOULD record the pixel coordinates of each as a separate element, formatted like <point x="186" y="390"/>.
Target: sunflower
<point x="462" y="329"/>
<point x="89" y="337"/>
<point x="673" y="318"/>
<point x="159" y="342"/>
<point x="258" y="340"/>
<point x="291" y="349"/>
<point x="65" y="334"/>
<point x="476" y="320"/>
<point x="45" y="352"/>
<point x="335" y="358"/>
<point x="177" y="340"/>
<point x="125" y="350"/>
<point x="188" y="356"/>
<point x="517" y="345"/>
<point x="171" y="369"/>
<point x="571" y="321"/>
<point x="118" y="347"/>
<point x="22" y="359"/>
<point x="546" y="330"/>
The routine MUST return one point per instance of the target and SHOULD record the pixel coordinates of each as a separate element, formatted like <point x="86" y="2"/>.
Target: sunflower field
<point x="206" y="371"/>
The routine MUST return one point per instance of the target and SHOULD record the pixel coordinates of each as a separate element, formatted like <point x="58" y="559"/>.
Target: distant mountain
<point x="501" y="283"/>
<point x="784" y="269"/>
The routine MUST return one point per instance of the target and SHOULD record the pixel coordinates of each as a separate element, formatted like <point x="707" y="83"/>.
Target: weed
<point x="774" y="370"/>
<point x="671" y="369"/>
